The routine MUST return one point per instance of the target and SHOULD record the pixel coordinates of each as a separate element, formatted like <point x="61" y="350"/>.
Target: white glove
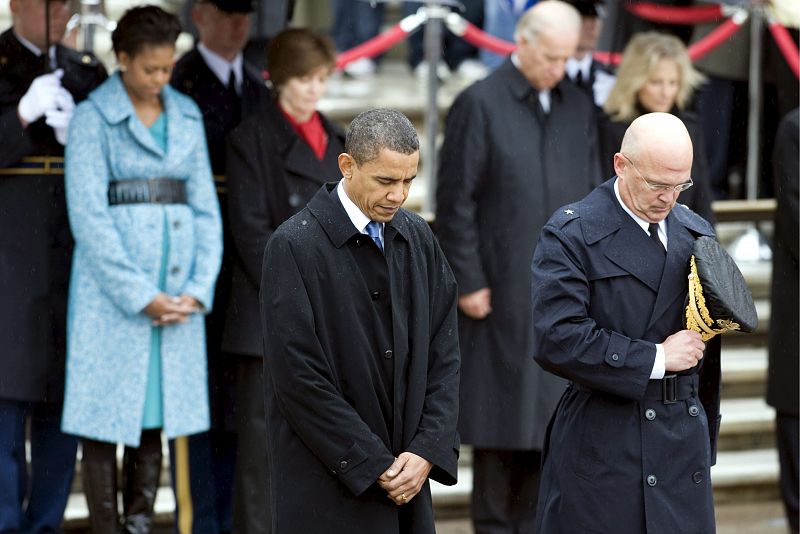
<point x="40" y="97"/>
<point x="58" y="118"/>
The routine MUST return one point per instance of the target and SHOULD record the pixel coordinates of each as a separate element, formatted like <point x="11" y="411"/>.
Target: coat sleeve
<point x="86" y="179"/>
<point x="567" y="341"/>
<point x="250" y="222"/>
<point x="17" y="142"/>
<point x="461" y="169"/>
<point x="437" y="438"/>
<point x="202" y="199"/>
<point x="299" y="374"/>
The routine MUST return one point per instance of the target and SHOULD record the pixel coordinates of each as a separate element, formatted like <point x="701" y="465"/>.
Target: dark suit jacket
<point x="330" y="433"/>
<point x="35" y="241"/>
<point x="698" y="197"/>
<point x="221" y="113"/>
<point x="782" y="386"/>
<point x="603" y="296"/>
<point x="272" y="174"/>
<point x="505" y="167"/>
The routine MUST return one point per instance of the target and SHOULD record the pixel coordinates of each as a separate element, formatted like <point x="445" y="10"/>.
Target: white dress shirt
<point x="222" y="68"/>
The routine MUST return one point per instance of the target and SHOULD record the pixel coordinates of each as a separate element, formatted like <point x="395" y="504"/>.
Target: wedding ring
<point x="403" y="496"/>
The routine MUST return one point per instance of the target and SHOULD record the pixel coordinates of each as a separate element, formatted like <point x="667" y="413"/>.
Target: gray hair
<point x="376" y="129"/>
<point x="547" y="16"/>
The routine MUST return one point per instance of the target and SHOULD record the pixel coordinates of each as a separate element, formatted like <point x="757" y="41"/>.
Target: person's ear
<point x="620" y="163"/>
<point x="346" y="165"/>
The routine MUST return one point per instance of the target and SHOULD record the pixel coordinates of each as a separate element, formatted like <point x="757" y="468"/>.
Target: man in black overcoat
<point x="517" y="145"/>
<point x="226" y="88"/>
<point x="38" y="91"/>
<point x="784" y="337"/>
<point x="361" y="353"/>
<point x="583" y="69"/>
<point x="633" y="439"/>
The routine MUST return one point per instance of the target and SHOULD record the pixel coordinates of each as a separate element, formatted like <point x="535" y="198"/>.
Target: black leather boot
<point x="99" y="475"/>
<point x="141" y="470"/>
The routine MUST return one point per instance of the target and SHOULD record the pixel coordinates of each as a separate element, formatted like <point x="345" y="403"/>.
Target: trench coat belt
<point x="36" y="165"/>
<point x="147" y="191"/>
<point x="669" y="390"/>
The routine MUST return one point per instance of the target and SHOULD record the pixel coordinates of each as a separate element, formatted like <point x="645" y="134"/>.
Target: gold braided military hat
<point x="719" y="300"/>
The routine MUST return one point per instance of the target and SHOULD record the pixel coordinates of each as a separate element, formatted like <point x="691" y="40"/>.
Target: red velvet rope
<point x="787" y="46"/>
<point x="609" y="58"/>
<point x="477" y="37"/>
<point x="373" y="47"/>
<point x="676" y="15"/>
<point x="705" y="45"/>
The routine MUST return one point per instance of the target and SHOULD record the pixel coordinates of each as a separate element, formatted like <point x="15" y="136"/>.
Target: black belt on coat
<point x="147" y="191"/>
<point x="669" y="390"/>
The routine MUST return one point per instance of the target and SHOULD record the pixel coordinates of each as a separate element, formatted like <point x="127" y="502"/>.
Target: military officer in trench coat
<point x="38" y="89"/>
<point x="632" y="440"/>
<point x="360" y="349"/>
<point x="506" y="163"/>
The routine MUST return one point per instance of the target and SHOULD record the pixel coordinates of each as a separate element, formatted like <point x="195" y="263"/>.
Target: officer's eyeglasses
<point x="660" y="187"/>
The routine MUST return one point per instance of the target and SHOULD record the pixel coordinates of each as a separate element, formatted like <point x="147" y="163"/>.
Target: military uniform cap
<point x="588" y="8"/>
<point x="719" y="300"/>
<point x="232" y="6"/>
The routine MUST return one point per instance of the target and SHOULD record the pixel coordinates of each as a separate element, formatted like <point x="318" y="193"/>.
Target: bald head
<point x="653" y="165"/>
<point x="661" y="138"/>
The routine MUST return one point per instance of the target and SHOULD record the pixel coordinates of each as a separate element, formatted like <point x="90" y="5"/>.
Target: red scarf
<point x="310" y="131"/>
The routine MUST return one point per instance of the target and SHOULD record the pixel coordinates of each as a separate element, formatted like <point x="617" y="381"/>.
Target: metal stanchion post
<point x="433" y="52"/>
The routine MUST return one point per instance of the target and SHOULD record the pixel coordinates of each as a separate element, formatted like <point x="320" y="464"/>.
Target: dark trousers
<point x="251" y="486"/>
<point x="45" y="484"/>
<point x="202" y="479"/>
<point x="454" y="49"/>
<point x="354" y="21"/>
<point x="786" y="434"/>
<point x="505" y="488"/>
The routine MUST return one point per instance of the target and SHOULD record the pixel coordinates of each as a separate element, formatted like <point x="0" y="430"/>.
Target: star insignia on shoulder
<point x="569" y="212"/>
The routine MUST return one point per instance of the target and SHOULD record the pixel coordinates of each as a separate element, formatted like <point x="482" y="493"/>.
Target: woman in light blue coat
<point x="148" y="243"/>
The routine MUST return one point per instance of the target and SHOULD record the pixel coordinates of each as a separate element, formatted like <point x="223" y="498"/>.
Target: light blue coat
<point x="118" y="254"/>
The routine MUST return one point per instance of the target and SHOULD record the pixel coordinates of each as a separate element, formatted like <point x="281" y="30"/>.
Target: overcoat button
<point x="694" y="410"/>
<point x="343" y="464"/>
<point x="615" y="356"/>
<point x="652" y="480"/>
<point x="175" y="270"/>
<point x="388" y="354"/>
<point x="650" y="414"/>
<point x="375" y="295"/>
<point x="176" y="225"/>
<point x="697" y="477"/>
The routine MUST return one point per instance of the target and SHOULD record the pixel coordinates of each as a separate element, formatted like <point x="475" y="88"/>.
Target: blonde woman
<point x="656" y="75"/>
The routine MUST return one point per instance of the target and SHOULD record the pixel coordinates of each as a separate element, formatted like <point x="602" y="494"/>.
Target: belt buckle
<point x="669" y="389"/>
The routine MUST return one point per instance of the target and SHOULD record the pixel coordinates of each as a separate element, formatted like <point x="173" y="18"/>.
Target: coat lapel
<point x="680" y="241"/>
<point x="625" y="249"/>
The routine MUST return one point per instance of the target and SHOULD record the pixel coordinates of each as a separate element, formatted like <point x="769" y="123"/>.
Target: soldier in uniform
<point x="39" y="87"/>
<point x="226" y="88"/>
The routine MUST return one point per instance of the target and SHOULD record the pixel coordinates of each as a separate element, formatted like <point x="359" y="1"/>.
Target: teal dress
<point x="153" y="402"/>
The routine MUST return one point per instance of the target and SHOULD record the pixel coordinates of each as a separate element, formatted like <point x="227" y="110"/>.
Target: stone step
<point x="747" y="424"/>
<point x="744" y="371"/>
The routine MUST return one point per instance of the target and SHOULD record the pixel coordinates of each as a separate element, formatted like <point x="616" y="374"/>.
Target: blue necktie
<point x="374" y="231"/>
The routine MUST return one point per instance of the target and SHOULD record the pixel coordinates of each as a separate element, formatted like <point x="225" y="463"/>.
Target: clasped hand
<point x="166" y="310"/>
<point x="405" y="477"/>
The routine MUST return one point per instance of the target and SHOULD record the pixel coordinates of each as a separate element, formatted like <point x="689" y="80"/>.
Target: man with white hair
<point x="517" y="145"/>
<point x="632" y="442"/>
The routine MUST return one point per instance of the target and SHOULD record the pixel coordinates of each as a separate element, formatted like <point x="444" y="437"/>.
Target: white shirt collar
<point x="662" y="226"/>
<point x="357" y="217"/>
<point x="36" y="50"/>
<point x="221" y="67"/>
<point x="584" y="66"/>
<point x="544" y="96"/>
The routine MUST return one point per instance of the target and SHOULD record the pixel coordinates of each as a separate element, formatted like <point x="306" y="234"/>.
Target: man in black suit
<point x="517" y="145"/>
<point x="782" y="388"/>
<point x="582" y="69"/>
<point x="39" y="87"/>
<point x="226" y="88"/>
